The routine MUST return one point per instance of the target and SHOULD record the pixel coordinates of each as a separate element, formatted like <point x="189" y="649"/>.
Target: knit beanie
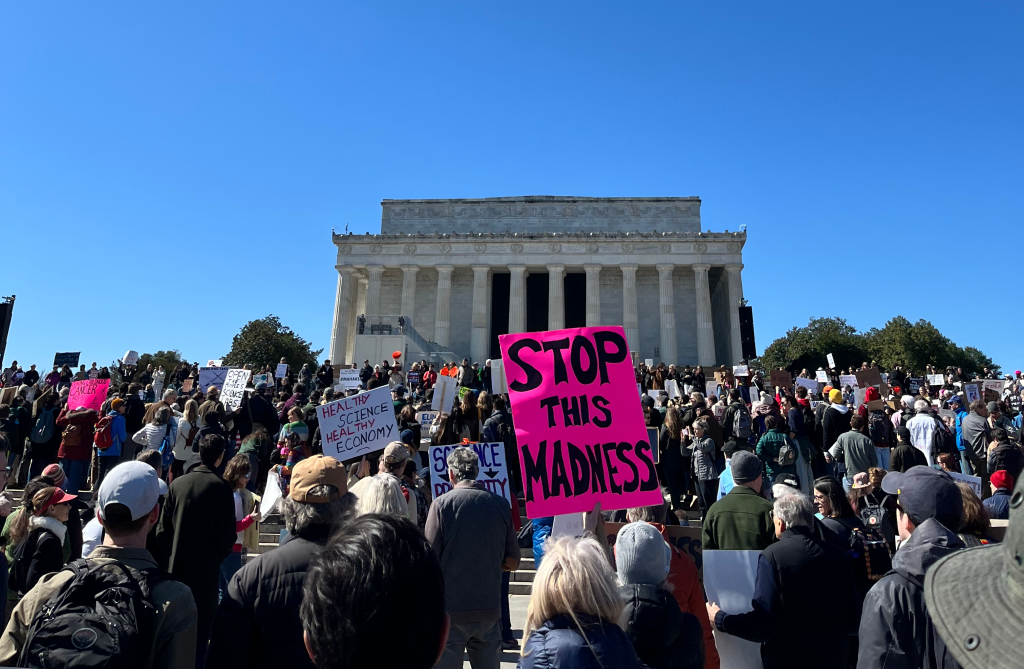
<point x="835" y="396"/>
<point x="745" y="467"/>
<point x="642" y="555"/>
<point x="55" y="472"/>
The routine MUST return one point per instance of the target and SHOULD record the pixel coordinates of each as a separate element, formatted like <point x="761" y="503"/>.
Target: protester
<point x="471" y="531"/>
<point x="976" y="437"/>
<point x="1004" y="454"/>
<point x="895" y="627"/>
<point x="835" y="420"/>
<point x="381" y="494"/>
<point x="662" y="635"/>
<point x="127" y="507"/>
<point x="197" y="531"/>
<point x="574" y="613"/>
<point x="186" y="433"/>
<point x="705" y="466"/>
<point x="998" y="505"/>
<point x="742" y="520"/>
<point x="906" y="455"/>
<point x="855" y="451"/>
<point x="392" y="464"/>
<point x="109" y="457"/>
<point x="799" y="578"/>
<point x="159" y="433"/>
<point x="257" y="624"/>
<point x="247" y="518"/>
<point x="771" y="447"/>
<point x="42" y="525"/>
<point x="673" y="465"/>
<point x="975" y="524"/>
<point x="357" y="591"/>
<point x="76" y="445"/>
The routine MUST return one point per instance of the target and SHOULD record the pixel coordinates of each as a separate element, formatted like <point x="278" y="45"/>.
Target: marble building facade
<point x="463" y="271"/>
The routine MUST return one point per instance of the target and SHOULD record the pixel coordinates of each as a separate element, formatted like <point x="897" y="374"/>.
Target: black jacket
<point x="1008" y="456"/>
<point x="43" y="554"/>
<point x="257" y="624"/>
<point x="833" y="424"/>
<point x="896" y="631"/>
<point x="263" y="413"/>
<point x="798" y="578"/>
<point x="663" y="636"/>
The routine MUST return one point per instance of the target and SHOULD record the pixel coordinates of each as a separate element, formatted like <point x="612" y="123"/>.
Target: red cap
<point x="1001" y="479"/>
<point x="58" y="497"/>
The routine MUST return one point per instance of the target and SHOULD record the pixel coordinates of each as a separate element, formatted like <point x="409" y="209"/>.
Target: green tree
<point x="169" y="359"/>
<point x="265" y="341"/>
<point x="809" y="346"/>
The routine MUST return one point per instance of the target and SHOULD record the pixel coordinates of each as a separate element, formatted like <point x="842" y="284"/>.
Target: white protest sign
<point x="214" y="363"/>
<point x="711" y="388"/>
<point x="831" y="361"/>
<point x="814" y="404"/>
<point x="729" y="580"/>
<point x="426" y="418"/>
<point x="672" y="388"/>
<point x="493" y="473"/>
<point x="821" y="376"/>
<point x="993" y="384"/>
<point x="271" y="494"/>
<point x="649" y="362"/>
<point x="740" y="370"/>
<point x="499" y="384"/>
<point x="973" y="481"/>
<point x="810" y="384"/>
<point x="858" y="396"/>
<point x="212" y="376"/>
<point x="357" y="425"/>
<point x="234" y="386"/>
<point x="131" y="358"/>
<point x="567" y="525"/>
<point x="947" y="413"/>
<point x="972" y="392"/>
<point x="261" y="378"/>
<point x="655" y="393"/>
<point x="445" y="391"/>
<point x="282" y="371"/>
<point x="348" y="379"/>
<point x="936" y="379"/>
<point x="719" y="411"/>
<point x="848" y="380"/>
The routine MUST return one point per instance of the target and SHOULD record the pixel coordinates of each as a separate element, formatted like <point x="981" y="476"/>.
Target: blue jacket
<point x="541" y="532"/>
<point x="998" y="504"/>
<point x="118" y="433"/>
<point x="558" y="644"/>
<point x="960" y="415"/>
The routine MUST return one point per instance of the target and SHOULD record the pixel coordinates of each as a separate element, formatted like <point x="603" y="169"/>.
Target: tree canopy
<point x="900" y="342"/>
<point x="265" y="341"/>
<point x="169" y="359"/>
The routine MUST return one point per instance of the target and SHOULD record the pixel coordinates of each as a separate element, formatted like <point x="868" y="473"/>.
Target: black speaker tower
<point x="747" y="333"/>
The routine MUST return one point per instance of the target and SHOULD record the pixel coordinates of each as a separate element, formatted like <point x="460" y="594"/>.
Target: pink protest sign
<point x="579" y="424"/>
<point x="89" y="393"/>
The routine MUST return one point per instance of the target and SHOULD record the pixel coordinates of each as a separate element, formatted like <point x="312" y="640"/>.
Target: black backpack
<point x="943" y="441"/>
<point x="878" y="428"/>
<point x="869" y="555"/>
<point x="102" y="617"/>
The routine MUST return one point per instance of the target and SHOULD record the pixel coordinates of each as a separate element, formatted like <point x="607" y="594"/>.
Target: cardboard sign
<point x="69" y="359"/>
<point x="234" y="387"/>
<point x="868" y="377"/>
<point x="357" y="425"/>
<point x="212" y="376"/>
<point x="426" y="418"/>
<point x="972" y="392"/>
<point x="876" y="405"/>
<point x="8" y="394"/>
<point x="781" y="378"/>
<point x="445" y="391"/>
<point x="282" y="371"/>
<point x="348" y="379"/>
<point x="686" y="539"/>
<point x="90" y="393"/>
<point x="186" y="385"/>
<point x="847" y="380"/>
<point x="580" y="431"/>
<point x="493" y="469"/>
<point x="831" y="361"/>
<point x="740" y="370"/>
<point x="130" y="358"/>
<point x="821" y="376"/>
<point x="499" y="384"/>
<point x="973" y="481"/>
<point x="672" y="388"/>
<point x="936" y="380"/>
<point x="810" y="384"/>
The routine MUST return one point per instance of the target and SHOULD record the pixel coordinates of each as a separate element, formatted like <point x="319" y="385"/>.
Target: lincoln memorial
<point x="455" y="274"/>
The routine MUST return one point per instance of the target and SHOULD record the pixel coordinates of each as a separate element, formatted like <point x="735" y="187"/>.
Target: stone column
<point x="735" y="295"/>
<point x="667" y="304"/>
<point x="409" y="291"/>
<point x="343" y="303"/>
<point x="373" y="295"/>
<point x="443" y="315"/>
<point x="630" y="317"/>
<point x="705" y="326"/>
<point x="593" y="295"/>
<point x="478" y="337"/>
<point x="517" y="299"/>
<point x="556" y="297"/>
<point x="359" y="286"/>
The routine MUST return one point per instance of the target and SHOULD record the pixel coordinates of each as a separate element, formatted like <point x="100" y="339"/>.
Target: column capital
<point x="445" y="269"/>
<point x="346" y="269"/>
<point x="735" y="267"/>
<point x="665" y="267"/>
<point x="515" y="269"/>
<point x="555" y="268"/>
<point x="700" y="267"/>
<point x="590" y="267"/>
<point x="363" y="280"/>
<point x="375" y="269"/>
<point x="410" y="268"/>
<point x="629" y="267"/>
<point x="480" y="268"/>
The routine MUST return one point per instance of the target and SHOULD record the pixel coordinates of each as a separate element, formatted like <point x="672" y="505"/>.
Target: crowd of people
<point x="869" y="531"/>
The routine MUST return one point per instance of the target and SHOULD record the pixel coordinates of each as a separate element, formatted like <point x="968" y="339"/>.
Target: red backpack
<point x="104" y="437"/>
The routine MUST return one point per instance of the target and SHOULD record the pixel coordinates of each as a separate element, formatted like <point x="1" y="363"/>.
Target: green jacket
<point x="768" y="448"/>
<point x="740" y="521"/>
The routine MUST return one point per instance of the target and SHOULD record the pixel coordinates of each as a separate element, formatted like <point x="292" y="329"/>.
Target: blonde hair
<point x="383" y="495"/>
<point x="574" y="577"/>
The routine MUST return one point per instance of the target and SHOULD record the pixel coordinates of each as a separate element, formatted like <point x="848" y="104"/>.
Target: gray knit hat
<point x="745" y="467"/>
<point x="642" y="555"/>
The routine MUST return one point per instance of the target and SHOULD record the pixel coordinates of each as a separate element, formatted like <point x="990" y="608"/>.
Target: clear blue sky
<point x="169" y="172"/>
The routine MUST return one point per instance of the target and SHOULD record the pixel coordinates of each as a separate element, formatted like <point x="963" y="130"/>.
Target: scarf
<point x="49" y="523"/>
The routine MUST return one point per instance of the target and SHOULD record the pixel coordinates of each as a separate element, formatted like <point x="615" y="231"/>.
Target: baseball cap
<point x="396" y="452"/>
<point x="974" y="597"/>
<point x="788" y="479"/>
<point x="58" y="497"/>
<point x="955" y="399"/>
<point x="132" y="484"/>
<point x="925" y="493"/>
<point x="314" y="471"/>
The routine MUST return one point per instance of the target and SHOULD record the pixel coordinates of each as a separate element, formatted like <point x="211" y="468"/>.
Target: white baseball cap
<point x="133" y="484"/>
